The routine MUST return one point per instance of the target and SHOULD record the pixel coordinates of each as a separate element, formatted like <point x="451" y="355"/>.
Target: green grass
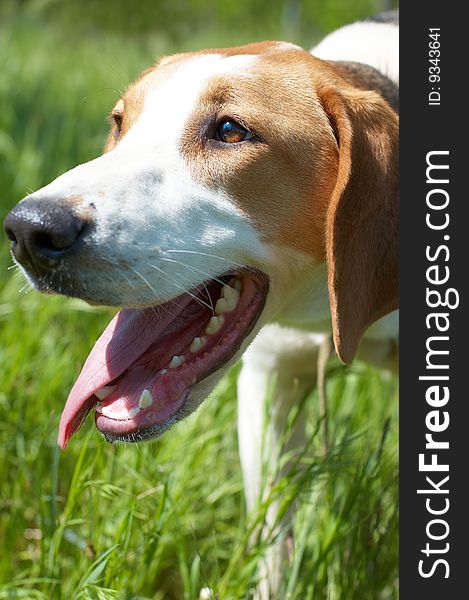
<point x="156" y="520"/>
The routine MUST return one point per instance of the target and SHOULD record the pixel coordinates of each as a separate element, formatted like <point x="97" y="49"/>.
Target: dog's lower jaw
<point x="197" y="395"/>
<point x="146" y="368"/>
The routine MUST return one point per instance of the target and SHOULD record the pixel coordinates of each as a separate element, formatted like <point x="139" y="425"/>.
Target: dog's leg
<point x="325" y="351"/>
<point x="278" y="370"/>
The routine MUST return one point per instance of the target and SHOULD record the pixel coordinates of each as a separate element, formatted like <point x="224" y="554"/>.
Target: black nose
<point x="42" y="232"/>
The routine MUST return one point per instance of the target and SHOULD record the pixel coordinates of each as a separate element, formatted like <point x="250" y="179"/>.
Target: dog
<point x="246" y="205"/>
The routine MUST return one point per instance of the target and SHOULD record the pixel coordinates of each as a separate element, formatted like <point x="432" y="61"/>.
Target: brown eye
<point x="117" y="118"/>
<point x="231" y="132"/>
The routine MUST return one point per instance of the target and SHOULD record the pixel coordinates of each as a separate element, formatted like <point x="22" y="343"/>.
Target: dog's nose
<point x="42" y="232"/>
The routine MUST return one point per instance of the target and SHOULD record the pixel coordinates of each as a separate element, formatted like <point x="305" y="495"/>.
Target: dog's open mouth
<point x="143" y="366"/>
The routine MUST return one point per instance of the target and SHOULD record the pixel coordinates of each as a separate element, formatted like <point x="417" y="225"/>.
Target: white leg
<point x="280" y="366"/>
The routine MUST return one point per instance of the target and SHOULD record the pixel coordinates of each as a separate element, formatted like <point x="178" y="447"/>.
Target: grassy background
<point x="164" y="519"/>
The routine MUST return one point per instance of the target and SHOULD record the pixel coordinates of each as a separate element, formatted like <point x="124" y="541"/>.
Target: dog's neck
<point x="309" y="308"/>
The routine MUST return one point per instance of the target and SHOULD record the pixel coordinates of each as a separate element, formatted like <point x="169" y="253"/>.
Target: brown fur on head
<point x="325" y="182"/>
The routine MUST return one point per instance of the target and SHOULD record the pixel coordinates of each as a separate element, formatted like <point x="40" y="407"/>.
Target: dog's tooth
<point x="120" y="415"/>
<point x="132" y="413"/>
<point x="197" y="344"/>
<point x="231" y="294"/>
<point x="224" y="305"/>
<point x="163" y="371"/>
<point x="176" y="361"/>
<point x="99" y="408"/>
<point x="145" y="399"/>
<point x="105" y="411"/>
<point x="228" y="302"/>
<point x="236" y="283"/>
<point x="221" y="306"/>
<point x="214" y="325"/>
<point x="104" y="391"/>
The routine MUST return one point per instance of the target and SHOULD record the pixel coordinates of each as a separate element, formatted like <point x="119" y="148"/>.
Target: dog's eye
<point x="117" y="118"/>
<point x="231" y="132"/>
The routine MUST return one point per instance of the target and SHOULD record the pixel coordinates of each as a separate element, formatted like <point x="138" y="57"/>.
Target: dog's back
<point x="373" y="41"/>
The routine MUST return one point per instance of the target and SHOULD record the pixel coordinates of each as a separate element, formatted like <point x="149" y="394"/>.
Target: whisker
<point x="158" y="308"/>
<point x="196" y="298"/>
<point x="209" y="298"/>
<point x="232" y="262"/>
<point x="197" y="269"/>
<point x="129" y="281"/>
<point x="193" y="268"/>
<point x="144" y="280"/>
<point x="25" y="288"/>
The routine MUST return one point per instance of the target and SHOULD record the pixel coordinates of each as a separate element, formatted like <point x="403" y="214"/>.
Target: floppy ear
<point x="362" y="220"/>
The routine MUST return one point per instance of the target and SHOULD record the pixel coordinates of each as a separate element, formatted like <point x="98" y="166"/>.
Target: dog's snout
<point x="42" y="232"/>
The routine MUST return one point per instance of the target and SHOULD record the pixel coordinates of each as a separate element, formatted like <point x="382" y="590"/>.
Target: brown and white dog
<point x="248" y="193"/>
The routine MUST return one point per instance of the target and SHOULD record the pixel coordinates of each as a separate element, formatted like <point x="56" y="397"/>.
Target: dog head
<point x="230" y="178"/>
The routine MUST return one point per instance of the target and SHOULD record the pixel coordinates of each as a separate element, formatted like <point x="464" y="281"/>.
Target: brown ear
<point x="362" y="219"/>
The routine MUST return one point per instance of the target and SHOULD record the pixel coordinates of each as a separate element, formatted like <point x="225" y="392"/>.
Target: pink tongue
<point x="125" y="339"/>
